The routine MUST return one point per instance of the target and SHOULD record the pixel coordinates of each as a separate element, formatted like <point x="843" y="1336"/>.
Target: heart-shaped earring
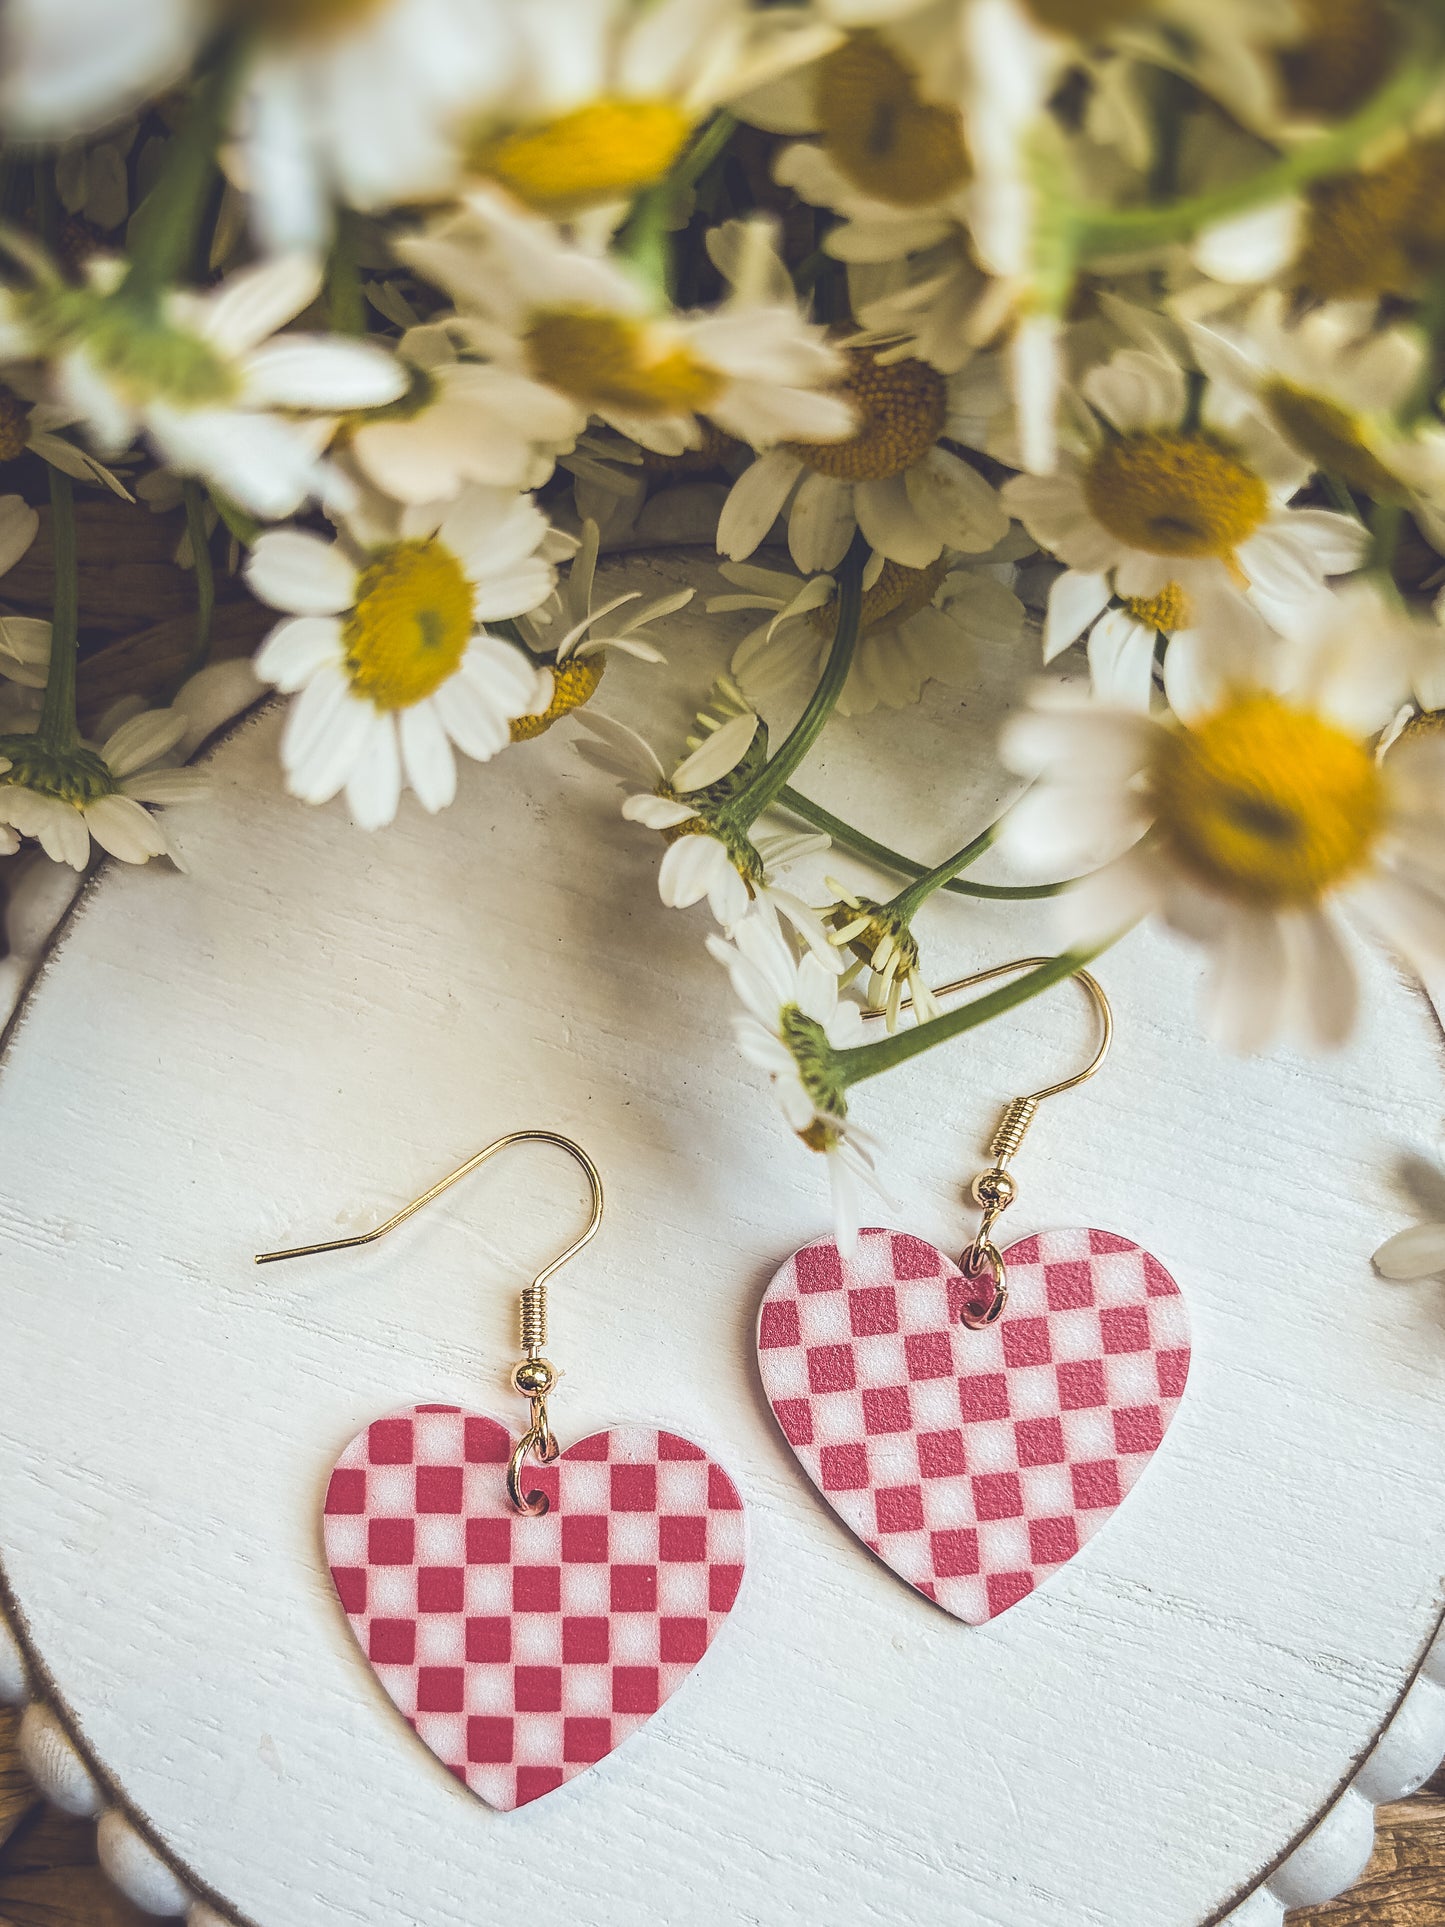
<point x="525" y="1608"/>
<point x="976" y="1423"/>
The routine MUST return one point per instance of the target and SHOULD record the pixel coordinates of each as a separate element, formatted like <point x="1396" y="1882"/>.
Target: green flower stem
<point x="871" y="1060"/>
<point x="1100" y="232"/>
<point x="646" y="239"/>
<point x="863" y="845"/>
<point x="195" y="501"/>
<point x="245" y="528"/>
<point x="913" y="895"/>
<point x="59" y="730"/>
<point x="345" y="301"/>
<point x="772" y="779"/>
<point x="1430" y="320"/>
<point x="1387" y="520"/>
<point x="1339" y="493"/>
<point x="163" y="230"/>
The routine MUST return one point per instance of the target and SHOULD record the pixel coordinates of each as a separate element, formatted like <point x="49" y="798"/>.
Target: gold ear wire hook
<point x="533" y="1376"/>
<point x="994" y="1189"/>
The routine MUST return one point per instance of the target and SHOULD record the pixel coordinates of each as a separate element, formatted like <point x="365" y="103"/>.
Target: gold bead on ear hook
<point x="533" y="1375"/>
<point x="994" y="1189"/>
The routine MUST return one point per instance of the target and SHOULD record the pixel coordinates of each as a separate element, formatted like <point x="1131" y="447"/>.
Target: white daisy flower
<point x="1172" y="516"/>
<point x="792" y="1022"/>
<point x="893" y="478"/>
<point x="707" y="857"/>
<point x="887" y="154"/>
<point x="572" y="635"/>
<point x="916" y="626"/>
<point x="882" y="942"/>
<point x="387" y="650"/>
<point x="567" y="323"/>
<point x="1362" y="235"/>
<point x="63" y="800"/>
<point x="29" y="422"/>
<point x="606" y="94"/>
<point x="348" y="101"/>
<point x="207" y="379"/>
<point x="461" y="420"/>
<point x="1256" y="819"/>
<point x="1335" y="392"/>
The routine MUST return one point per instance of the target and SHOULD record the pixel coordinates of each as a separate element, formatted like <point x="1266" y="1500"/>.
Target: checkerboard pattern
<point x="974" y="1463"/>
<point x="522" y="1650"/>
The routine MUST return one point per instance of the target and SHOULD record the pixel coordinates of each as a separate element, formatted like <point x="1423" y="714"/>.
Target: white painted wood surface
<point x="315" y="1024"/>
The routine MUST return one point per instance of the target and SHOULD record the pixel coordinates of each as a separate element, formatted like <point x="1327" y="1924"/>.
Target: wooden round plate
<point x="315" y="1024"/>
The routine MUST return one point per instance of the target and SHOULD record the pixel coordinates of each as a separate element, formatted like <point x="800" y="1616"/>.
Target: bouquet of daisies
<point x="1111" y="331"/>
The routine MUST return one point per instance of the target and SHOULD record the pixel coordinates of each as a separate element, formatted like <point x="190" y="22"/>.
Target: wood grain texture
<point x="314" y="1024"/>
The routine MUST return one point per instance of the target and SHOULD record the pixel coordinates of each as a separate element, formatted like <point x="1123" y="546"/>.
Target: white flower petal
<point x="255" y="301"/>
<point x="326" y="729"/>
<point x="18" y="525"/>
<point x="1074" y="601"/>
<point x="426" y="754"/>
<point x="290" y="569"/>
<point x="954" y="502"/>
<point x="755" y="502"/>
<point x="125" y="830"/>
<point x="820" y="523"/>
<point x="373" y="789"/>
<point x="296" y="648"/>
<point x="1418" y="1252"/>
<point x="322" y="373"/>
<point x="721" y="752"/>
<point x="144" y="739"/>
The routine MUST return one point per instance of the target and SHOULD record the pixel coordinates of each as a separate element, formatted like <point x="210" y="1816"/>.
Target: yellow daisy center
<point x="1333" y="438"/>
<point x="1166" y="612"/>
<point x="573" y="683"/>
<point x="1377" y="233"/>
<point x="898" y="593"/>
<point x="1175" y="493"/>
<point x="901" y="407"/>
<point x="301" y="19"/>
<point x="1267" y="803"/>
<point x="13" y="423"/>
<point x="602" y="152"/>
<point x="879" y="131"/>
<point x="1345" y="51"/>
<point x="609" y="362"/>
<point x="411" y="624"/>
<point x="1083" y="17"/>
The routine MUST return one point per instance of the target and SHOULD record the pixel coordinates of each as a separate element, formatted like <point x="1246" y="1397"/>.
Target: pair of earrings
<point x="526" y="1608"/>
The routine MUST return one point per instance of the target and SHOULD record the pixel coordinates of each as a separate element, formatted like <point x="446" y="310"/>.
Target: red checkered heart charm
<point x="974" y="1463"/>
<point x="522" y="1650"/>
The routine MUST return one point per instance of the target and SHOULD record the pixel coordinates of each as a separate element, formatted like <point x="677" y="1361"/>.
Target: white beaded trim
<point x="1330" y="1858"/>
<point x="61" y="1775"/>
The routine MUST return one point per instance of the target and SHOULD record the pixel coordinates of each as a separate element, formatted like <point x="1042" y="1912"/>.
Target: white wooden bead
<point x="135" y="1867"/>
<point x="1410" y="1749"/>
<point x="54" y="1765"/>
<point x="14" y="1673"/>
<point x="1331" y="1858"/>
<point x="200" y="1915"/>
<point x="203" y="1916"/>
